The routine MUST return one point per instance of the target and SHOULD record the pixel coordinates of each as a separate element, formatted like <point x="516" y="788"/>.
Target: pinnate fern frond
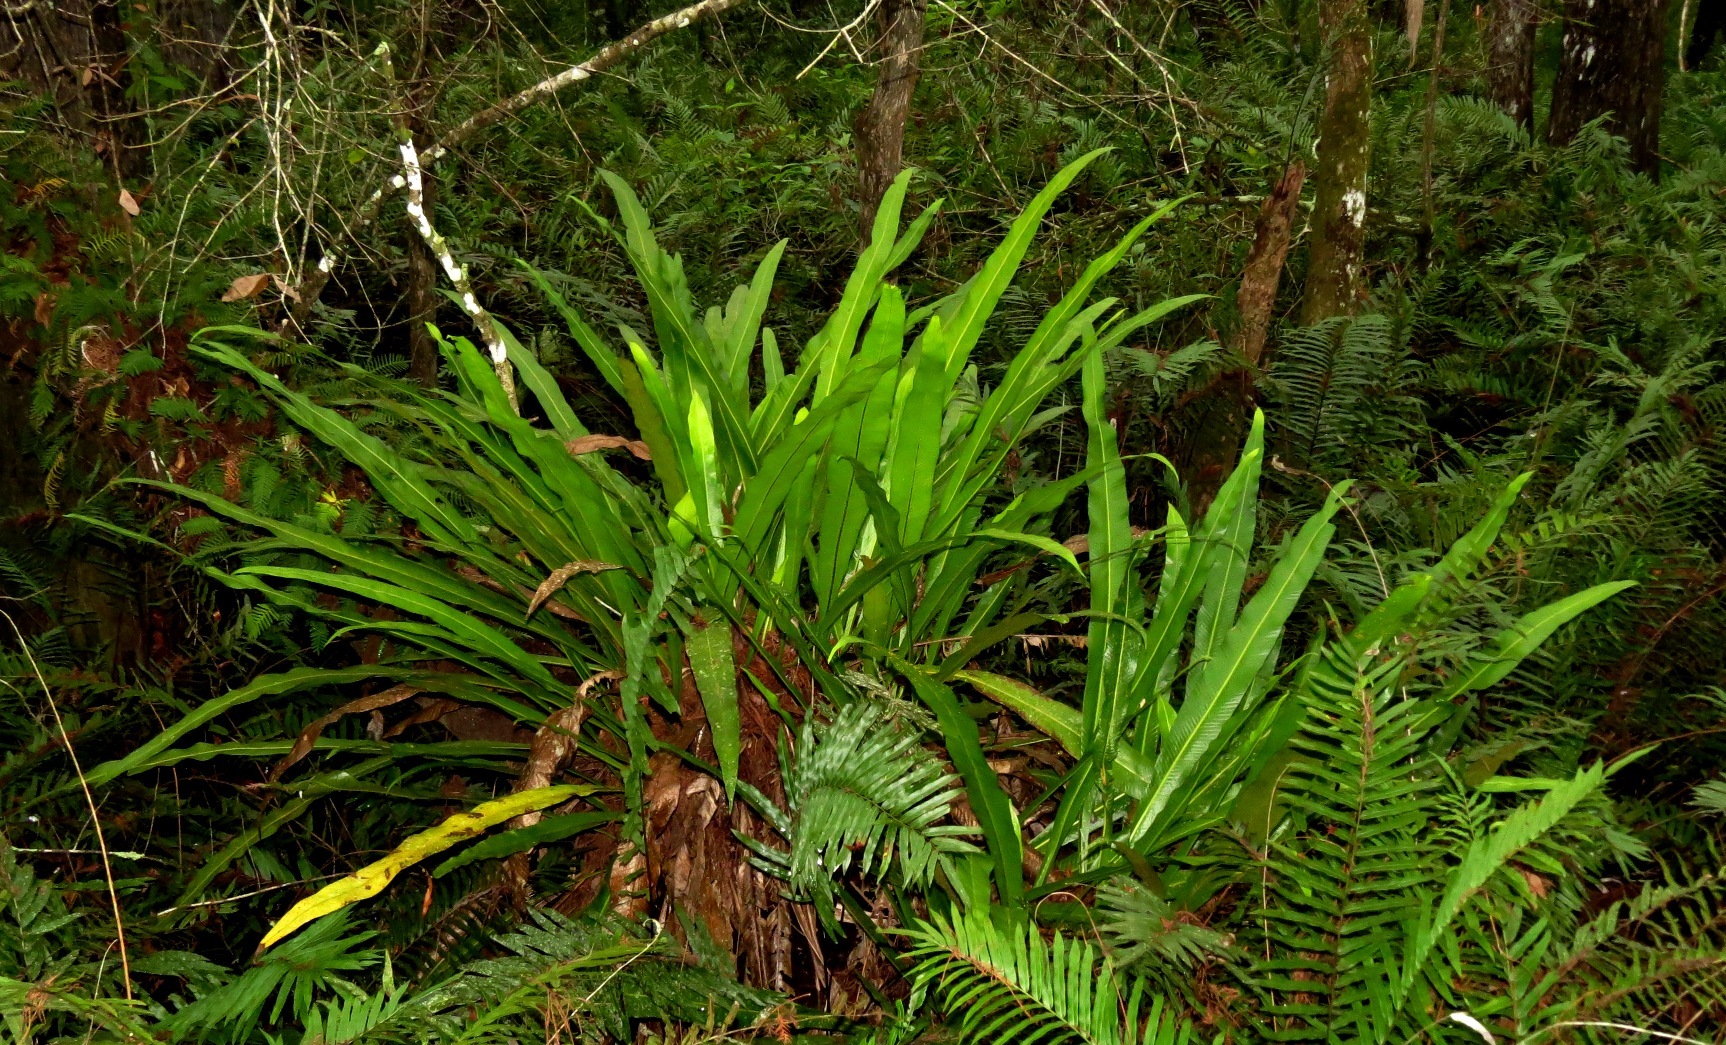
<point x="1144" y="932"/>
<point x="605" y="971"/>
<point x="865" y="790"/>
<point x="1520" y="830"/>
<point x="1340" y="891"/>
<point x="1000" y="982"/>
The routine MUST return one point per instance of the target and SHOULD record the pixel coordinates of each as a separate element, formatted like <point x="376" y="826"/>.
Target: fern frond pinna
<point x="1339" y="888"/>
<point x="1000" y="982"/>
<point x="1144" y="932"/>
<point x="864" y="789"/>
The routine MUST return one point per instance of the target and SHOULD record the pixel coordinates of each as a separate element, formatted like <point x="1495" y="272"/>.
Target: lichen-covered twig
<point x="610" y="55"/>
<point x="455" y="270"/>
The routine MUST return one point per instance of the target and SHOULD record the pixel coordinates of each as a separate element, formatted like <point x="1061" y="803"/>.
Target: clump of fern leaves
<point x="864" y="791"/>
<point x="999" y="981"/>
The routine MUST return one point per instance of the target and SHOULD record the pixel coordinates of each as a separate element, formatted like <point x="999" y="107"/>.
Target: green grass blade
<point x="543" y="386"/>
<point x="712" y="662"/>
<point x="997" y="273"/>
<point x="1217" y="690"/>
<point x="397" y="479"/>
<point x="264" y="686"/>
<point x="482" y="638"/>
<point x="994" y="810"/>
<point x="598" y="352"/>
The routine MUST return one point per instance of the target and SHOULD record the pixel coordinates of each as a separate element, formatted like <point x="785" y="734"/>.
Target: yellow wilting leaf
<point x="128" y="203"/>
<point x="370" y="880"/>
<point x="246" y="286"/>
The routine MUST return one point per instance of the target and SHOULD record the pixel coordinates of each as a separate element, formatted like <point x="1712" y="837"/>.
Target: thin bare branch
<point x="612" y="54"/>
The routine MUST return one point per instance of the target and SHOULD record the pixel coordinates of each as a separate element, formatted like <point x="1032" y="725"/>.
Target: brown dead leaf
<point x="1537" y="884"/>
<point x="288" y="291"/>
<point x="45" y="303"/>
<point x="552" y="746"/>
<point x="560" y="576"/>
<point x="434" y="711"/>
<point x="309" y="736"/>
<point x="609" y="675"/>
<point x="244" y="287"/>
<point x="587" y="444"/>
<point x="474" y="723"/>
<point x="1040" y="641"/>
<point x="128" y="203"/>
<point x="102" y="354"/>
<point x="231" y="486"/>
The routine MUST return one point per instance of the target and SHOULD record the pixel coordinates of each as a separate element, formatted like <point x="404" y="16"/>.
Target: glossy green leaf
<point x="1217" y="689"/>
<point x="1513" y="645"/>
<point x="1472" y="546"/>
<point x="713" y="663"/>
<point x="985" y="289"/>
<point x="994" y="811"/>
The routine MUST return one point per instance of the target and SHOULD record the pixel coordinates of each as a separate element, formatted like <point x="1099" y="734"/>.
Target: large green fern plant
<point x="1376" y="854"/>
<point x="793" y="514"/>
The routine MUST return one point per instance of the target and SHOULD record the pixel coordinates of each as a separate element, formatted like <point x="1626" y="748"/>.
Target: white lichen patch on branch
<point x="1354" y="206"/>
<point x="455" y="270"/>
<point x="608" y="56"/>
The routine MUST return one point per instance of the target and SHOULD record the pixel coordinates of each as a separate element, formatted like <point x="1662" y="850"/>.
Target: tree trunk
<point x="1612" y="62"/>
<point x="1256" y="300"/>
<point x="115" y="128"/>
<point x="1216" y="438"/>
<point x="1334" y="279"/>
<point x="1510" y="48"/>
<point x="77" y="54"/>
<point x="617" y="18"/>
<point x="881" y="124"/>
